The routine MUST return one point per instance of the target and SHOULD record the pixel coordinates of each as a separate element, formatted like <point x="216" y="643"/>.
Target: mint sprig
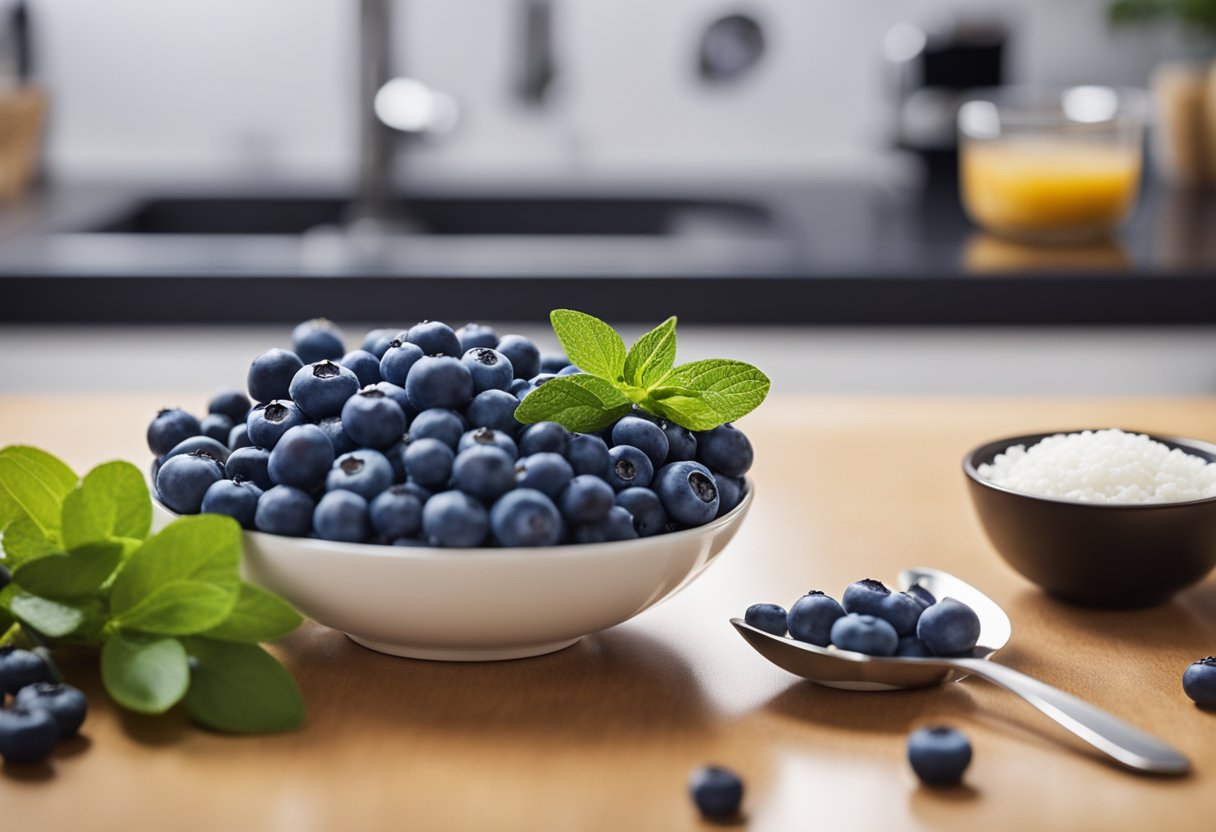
<point x="172" y="618"/>
<point x="699" y="395"/>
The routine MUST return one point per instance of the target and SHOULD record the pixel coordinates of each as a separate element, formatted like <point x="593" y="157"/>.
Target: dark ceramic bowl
<point x="1100" y="555"/>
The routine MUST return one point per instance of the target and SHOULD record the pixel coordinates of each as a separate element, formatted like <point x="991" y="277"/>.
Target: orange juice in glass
<point x="1051" y="167"/>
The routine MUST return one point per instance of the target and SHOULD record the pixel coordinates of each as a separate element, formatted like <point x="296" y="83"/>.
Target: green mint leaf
<point x="652" y="355"/>
<point x="257" y="616"/>
<point x="145" y="674"/>
<point x="241" y="689"/>
<point x="24" y="541"/>
<point x="54" y="619"/>
<point x="81" y="571"/>
<point x="731" y="388"/>
<point x="111" y="502"/>
<point x="580" y="403"/>
<point x="687" y="411"/>
<point x="204" y="548"/>
<point x="589" y="343"/>
<point x="33" y="484"/>
<point x="179" y="608"/>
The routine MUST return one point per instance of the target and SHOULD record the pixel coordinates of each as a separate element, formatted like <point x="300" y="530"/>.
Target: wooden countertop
<point x="602" y="735"/>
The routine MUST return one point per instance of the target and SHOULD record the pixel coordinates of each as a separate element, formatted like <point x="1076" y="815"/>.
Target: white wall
<point x="197" y="88"/>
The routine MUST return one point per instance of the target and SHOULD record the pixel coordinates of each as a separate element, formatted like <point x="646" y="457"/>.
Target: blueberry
<point x="811" y="618"/>
<point x="170" y="427"/>
<point x="428" y="462"/>
<point x="203" y="445"/>
<point x="586" y="500"/>
<point x="646" y="436"/>
<point x="717" y="791"/>
<point x="301" y="458"/>
<point x="454" y="519"/>
<point x="472" y="336"/>
<point x="238" y="437"/>
<point x="364" y="365"/>
<point x="910" y="647"/>
<point x="317" y="340"/>
<point x="65" y="703"/>
<point x="395" y="454"/>
<point x="217" y="426"/>
<point x="439" y="381"/>
<point x="688" y="492"/>
<point x="553" y="362"/>
<point x="544" y="437"/>
<point x="377" y="340"/>
<point x="411" y="542"/>
<point x="236" y="498"/>
<point x="372" y="419"/>
<point x="418" y="490"/>
<point x="517" y="387"/>
<point x="546" y="472"/>
<point x="484" y="472"/>
<point x="184" y="479"/>
<point x="939" y="755"/>
<point x="649" y="517"/>
<point x="588" y="454"/>
<point x="6" y="577"/>
<point x="526" y="517"/>
<point x="617" y="525"/>
<point x="923" y="596"/>
<point x="522" y="353"/>
<point x="322" y="388"/>
<point x="730" y="492"/>
<point x="19" y="668"/>
<point x="629" y="467"/>
<point x="397" y="361"/>
<point x="435" y="338"/>
<point x="523" y="392"/>
<point x="249" y="464"/>
<point x="491" y="370"/>
<point x="270" y="421"/>
<point x="865" y="597"/>
<point x="338" y="437"/>
<point x="398" y="395"/>
<point x="725" y="449"/>
<point x="681" y="442"/>
<point x="493" y="409"/>
<point x="284" y="510"/>
<point x="569" y="370"/>
<point x="27" y="736"/>
<point x="901" y="611"/>
<point x="364" y="472"/>
<point x="1199" y="681"/>
<point x="396" y="513"/>
<point x="865" y="634"/>
<point x="541" y="378"/>
<point x="231" y="403"/>
<point x="488" y="437"/>
<point x="271" y="373"/>
<point x="767" y="617"/>
<point x="341" y="516"/>
<point x="949" y="628"/>
<point x="445" y="425"/>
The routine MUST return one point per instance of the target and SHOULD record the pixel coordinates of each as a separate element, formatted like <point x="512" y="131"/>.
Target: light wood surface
<point x="602" y="735"/>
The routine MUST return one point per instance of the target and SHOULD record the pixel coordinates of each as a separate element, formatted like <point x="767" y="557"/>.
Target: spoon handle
<point x="1109" y="734"/>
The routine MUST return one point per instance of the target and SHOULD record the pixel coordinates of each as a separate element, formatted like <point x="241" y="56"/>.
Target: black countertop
<point x="830" y="252"/>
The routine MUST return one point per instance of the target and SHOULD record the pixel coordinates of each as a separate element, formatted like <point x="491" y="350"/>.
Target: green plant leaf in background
<point x="589" y="343"/>
<point x="257" y="616"/>
<point x="652" y="356"/>
<point x="578" y="402"/>
<point x="33" y="484"/>
<point x="240" y="688"/>
<point x="145" y="674"/>
<point x="70" y="574"/>
<point x="112" y="502"/>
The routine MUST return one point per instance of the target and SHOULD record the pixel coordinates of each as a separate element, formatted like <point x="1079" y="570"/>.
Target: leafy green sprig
<point x="169" y="611"/>
<point x="699" y="395"/>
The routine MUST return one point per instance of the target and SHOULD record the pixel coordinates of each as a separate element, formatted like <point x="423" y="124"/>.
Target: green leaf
<point x="33" y="484"/>
<point x="179" y="608"/>
<point x="732" y="389"/>
<point x="580" y="403"/>
<point x="687" y="411"/>
<point x="54" y="619"/>
<point x="204" y="548"/>
<point x="70" y="574"/>
<point x="111" y="502"/>
<point x="590" y="343"/>
<point x="143" y="674"/>
<point x="257" y="616"/>
<point x="241" y="689"/>
<point x="23" y="541"/>
<point x="652" y="355"/>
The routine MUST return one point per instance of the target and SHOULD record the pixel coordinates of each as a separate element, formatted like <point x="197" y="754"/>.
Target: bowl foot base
<point x="463" y="654"/>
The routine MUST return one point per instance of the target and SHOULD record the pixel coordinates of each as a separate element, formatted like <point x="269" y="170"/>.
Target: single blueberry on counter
<point x="19" y="668"/>
<point x="484" y="472"/>
<point x="586" y="500"/>
<point x="249" y="464"/>
<point x="301" y="458"/>
<point x="434" y="338"/>
<point x="649" y="517"/>
<point x="939" y="755"/>
<point x="27" y="736"/>
<point x="526" y="517"/>
<point x="65" y="703"/>
<point x="171" y="427"/>
<point x="453" y="519"/>
<point x="184" y="479"/>
<point x="268" y="422"/>
<point x="398" y="360"/>
<point x="271" y="373"/>
<point x="474" y="335"/>
<point x="522" y="353"/>
<point x="320" y="389"/>
<point x="371" y="419"/>
<point x="717" y="791"/>
<point x="396" y="513"/>
<point x="439" y="381"/>
<point x="318" y="339"/>
<point x="811" y="617"/>
<point x="493" y="409"/>
<point x="488" y="438"/>
<point x="546" y="472"/>
<point x="341" y="516"/>
<point x="770" y="618"/>
<point x="865" y="634"/>
<point x="588" y="454"/>
<point x="544" y="437"/>
<point x="236" y="498"/>
<point x="726" y="449"/>
<point x="1199" y="681"/>
<point x="428" y="462"/>
<point x="284" y="510"/>
<point x="217" y="426"/>
<point x="616" y="525"/>
<point x="688" y="491"/>
<point x="490" y="369"/>
<point x="364" y="365"/>
<point x="365" y="472"/>
<point x="231" y="403"/>
<point x="949" y="628"/>
<point x="629" y="467"/>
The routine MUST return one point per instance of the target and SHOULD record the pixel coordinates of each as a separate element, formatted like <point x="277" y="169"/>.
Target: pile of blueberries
<point x="872" y="619"/>
<point x="412" y="440"/>
<point x="42" y="712"/>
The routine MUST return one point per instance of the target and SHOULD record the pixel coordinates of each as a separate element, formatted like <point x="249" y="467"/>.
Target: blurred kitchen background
<point x="185" y="179"/>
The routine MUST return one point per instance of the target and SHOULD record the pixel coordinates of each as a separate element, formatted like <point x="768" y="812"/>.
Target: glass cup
<point x="1058" y="166"/>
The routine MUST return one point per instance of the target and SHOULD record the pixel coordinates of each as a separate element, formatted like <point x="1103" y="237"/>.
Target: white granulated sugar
<point x="1105" y="466"/>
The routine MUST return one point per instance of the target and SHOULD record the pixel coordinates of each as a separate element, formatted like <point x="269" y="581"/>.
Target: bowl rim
<point x="564" y="550"/>
<point x="996" y="446"/>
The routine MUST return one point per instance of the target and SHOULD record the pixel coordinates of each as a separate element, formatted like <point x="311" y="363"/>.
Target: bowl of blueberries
<point x="389" y="492"/>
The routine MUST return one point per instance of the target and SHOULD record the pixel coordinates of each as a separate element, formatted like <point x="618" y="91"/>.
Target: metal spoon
<point x="847" y="670"/>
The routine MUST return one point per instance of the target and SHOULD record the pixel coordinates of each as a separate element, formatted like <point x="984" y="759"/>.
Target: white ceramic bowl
<point x="480" y="604"/>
